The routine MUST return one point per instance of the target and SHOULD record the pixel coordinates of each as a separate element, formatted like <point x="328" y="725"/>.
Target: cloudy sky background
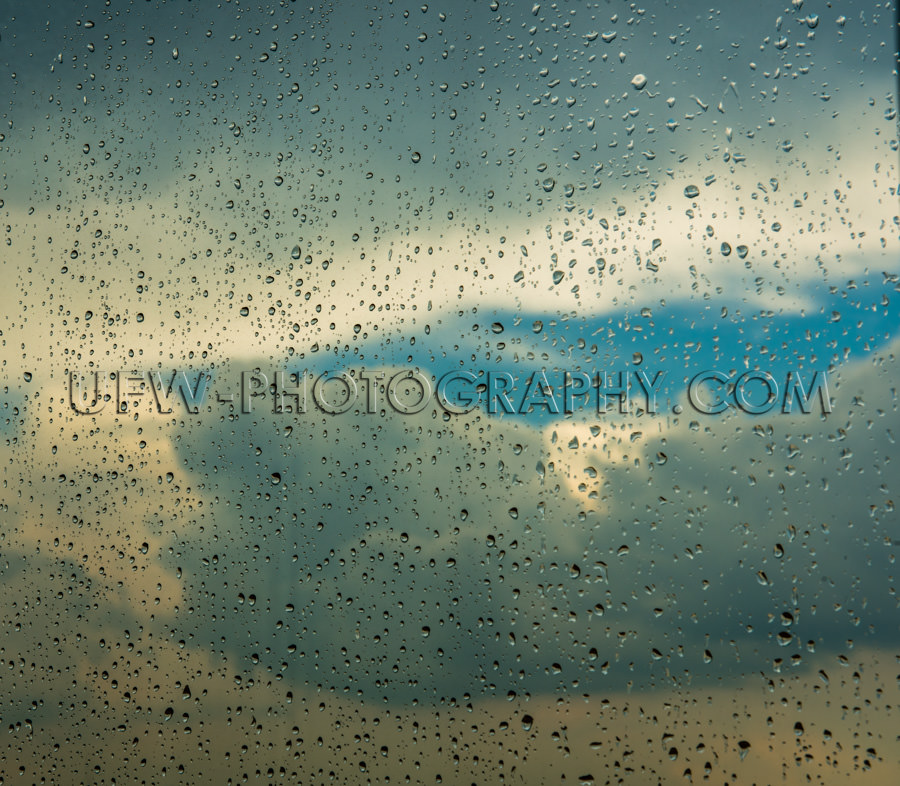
<point x="345" y="187"/>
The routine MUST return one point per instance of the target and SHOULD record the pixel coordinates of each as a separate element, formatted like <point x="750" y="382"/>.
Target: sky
<point x="475" y="597"/>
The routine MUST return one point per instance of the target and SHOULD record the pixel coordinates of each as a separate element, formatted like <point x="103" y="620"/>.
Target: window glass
<point x="464" y="392"/>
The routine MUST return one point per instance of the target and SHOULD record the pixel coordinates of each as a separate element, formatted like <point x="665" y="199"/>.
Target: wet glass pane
<point x="458" y="393"/>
